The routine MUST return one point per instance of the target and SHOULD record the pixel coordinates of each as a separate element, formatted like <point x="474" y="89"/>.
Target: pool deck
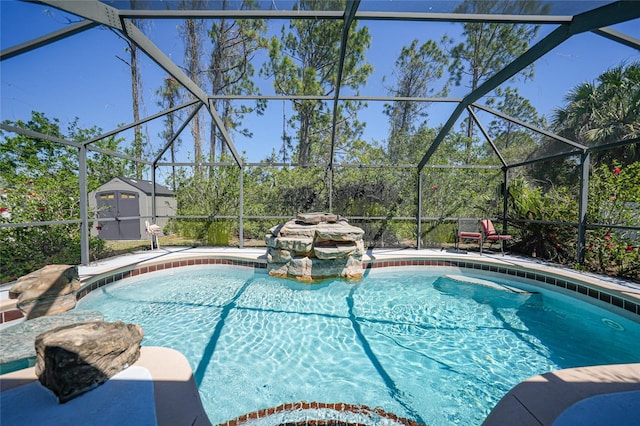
<point x="177" y="401"/>
<point x="551" y="398"/>
<point x="537" y="401"/>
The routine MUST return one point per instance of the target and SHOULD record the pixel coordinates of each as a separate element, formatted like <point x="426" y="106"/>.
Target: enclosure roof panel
<point x="134" y="21"/>
<point x="552" y="8"/>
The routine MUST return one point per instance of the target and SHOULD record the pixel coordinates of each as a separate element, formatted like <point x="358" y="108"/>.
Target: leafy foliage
<point x="605" y="111"/>
<point x="23" y="250"/>
<point x="614" y="200"/>
<point x="302" y="61"/>
<point x="416" y="70"/>
<point x="39" y="181"/>
<point x="540" y="239"/>
<point x="210" y="196"/>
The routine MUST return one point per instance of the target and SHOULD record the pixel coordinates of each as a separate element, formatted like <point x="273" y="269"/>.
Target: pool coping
<point x="540" y="400"/>
<point x="616" y="294"/>
<point x="613" y="293"/>
<point x="177" y="401"/>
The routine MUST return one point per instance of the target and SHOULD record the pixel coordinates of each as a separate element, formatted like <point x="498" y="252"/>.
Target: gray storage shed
<point x="129" y="201"/>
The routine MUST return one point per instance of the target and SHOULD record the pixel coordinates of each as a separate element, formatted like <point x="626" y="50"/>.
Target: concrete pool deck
<point x="174" y="392"/>
<point x="539" y="400"/>
<point x="561" y="398"/>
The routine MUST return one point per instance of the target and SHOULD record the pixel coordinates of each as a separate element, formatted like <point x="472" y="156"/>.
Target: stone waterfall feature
<point x="315" y="246"/>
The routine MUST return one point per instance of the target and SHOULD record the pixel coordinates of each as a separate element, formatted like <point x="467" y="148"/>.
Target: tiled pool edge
<point x="308" y="419"/>
<point x="601" y="292"/>
<point x="94" y="282"/>
<point x="591" y="290"/>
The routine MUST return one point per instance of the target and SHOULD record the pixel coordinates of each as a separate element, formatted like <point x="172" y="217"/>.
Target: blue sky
<point x="82" y="76"/>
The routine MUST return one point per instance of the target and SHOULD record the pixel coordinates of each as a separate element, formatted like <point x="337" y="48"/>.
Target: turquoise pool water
<point x="409" y="341"/>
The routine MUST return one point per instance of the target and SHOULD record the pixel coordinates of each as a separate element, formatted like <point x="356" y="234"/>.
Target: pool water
<point x="409" y="341"/>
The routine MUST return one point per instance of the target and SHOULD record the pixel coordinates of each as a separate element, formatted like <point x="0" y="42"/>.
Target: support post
<point x="419" y="217"/>
<point x="582" y="206"/>
<point x="153" y="193"/>
<point x="330" y="188"/>
<point x="84" y="207"/>
<point x="505" y="198"/>
<point x="241" y="208"/>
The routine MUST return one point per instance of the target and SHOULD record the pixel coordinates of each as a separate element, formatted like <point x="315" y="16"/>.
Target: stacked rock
<point x="47" y="291"/>
<point x="315" y="246"/>
<point x="76" y="358"/>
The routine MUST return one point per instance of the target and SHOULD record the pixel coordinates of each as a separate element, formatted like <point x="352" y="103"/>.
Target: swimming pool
<point x="409" y="341"/>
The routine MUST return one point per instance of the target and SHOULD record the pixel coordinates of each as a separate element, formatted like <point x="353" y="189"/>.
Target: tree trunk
<point x="135" y="94"/>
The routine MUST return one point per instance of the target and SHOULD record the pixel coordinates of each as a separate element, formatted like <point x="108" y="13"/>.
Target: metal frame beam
<point x="614" y="144"/>
<point x="486" y="136"/>
<point x="38" y="135"/>
<point x="93" y="10"/>
<point x="339" y="14"/>
<point x="530" y="127"/>
<point x="47" y="39"/>
<point x="84" y="204"/>
<point x="585" y="161"/>
<point x="351" y="8"/>
<point x="341" y="98"/>
<point x="547" y="158"/>
<point x="612" y="13"/>
<point x="619" y="37"/>
<point x="137" y="123"/>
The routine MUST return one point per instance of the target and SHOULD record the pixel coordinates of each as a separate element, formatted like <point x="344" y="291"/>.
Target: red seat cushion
<point x="470" y="235"/>
<point x="498" y="237"/>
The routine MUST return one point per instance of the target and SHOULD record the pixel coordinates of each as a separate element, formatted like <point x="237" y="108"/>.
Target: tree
<point x="416" y="69"/>
<point x="604" y="111"/>
<point x="234" y="45"/>
<point x="169" y="97"/>
<point x="512" y="140"/>
<point x="303" y="62"/>
<point x="39" y="183"/>
<point x="24" y="158"/>
<point x="192" y="32"/>
<point x="488" y="47"/>
<point x="21" y="155"/>
<point x="136" y="82"/>
<point x="137" y="147"/>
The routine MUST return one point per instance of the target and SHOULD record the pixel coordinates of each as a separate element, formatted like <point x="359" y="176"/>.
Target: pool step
<point x="486" y="283"/>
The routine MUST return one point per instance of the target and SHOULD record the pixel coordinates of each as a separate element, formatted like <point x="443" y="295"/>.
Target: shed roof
<point x="146" y="186"/>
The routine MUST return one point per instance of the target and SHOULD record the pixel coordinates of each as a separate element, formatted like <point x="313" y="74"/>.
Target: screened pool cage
<point x="333" y="171"/>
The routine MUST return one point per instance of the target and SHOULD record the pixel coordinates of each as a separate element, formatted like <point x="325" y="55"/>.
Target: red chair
<point x="468" y="230"/>
<point x="490" y="234"/>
